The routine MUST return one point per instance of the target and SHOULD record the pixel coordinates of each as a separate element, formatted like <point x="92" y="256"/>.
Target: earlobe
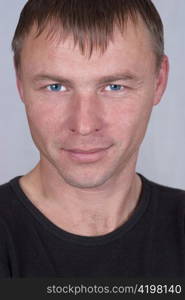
<point x="18" y="80"/>
<point x="162" y="79"/>
<point x="19" y="85"/>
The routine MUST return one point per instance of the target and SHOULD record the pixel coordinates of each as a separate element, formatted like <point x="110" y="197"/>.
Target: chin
<point x="85" y="181"/>
<point x="83" y="185"/>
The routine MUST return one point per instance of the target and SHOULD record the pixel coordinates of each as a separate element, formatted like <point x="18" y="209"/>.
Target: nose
<point x="86" y="116"/>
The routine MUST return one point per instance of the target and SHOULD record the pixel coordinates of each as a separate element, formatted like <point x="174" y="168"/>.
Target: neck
<point x="90" y="211"/>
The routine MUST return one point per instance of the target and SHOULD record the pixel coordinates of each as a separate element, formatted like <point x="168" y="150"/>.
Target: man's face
<point x="84" y="104"/>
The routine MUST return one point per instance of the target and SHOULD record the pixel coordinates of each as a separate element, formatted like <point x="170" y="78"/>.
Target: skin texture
<point x="88" y="197"/>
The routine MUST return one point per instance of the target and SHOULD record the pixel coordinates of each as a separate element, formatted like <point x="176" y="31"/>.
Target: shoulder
<point x="6" y="191"/>
<point x="168" y="200"/>
<point x="7" y="226"/>
<point x="6" y="208"/>
<point x="5" y="188"/>
<point x="8" y="188"/>
<point x="8" y="198"/>
<point x="166" y="191"/>
<point x="5" y="194"/>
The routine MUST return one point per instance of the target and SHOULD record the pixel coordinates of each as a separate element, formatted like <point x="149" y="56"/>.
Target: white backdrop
<point x="162" y="155"/>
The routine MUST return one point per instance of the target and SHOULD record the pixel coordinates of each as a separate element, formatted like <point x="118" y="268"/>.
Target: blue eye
<point x="114" y="87"/>
<point x="56" y="87"/>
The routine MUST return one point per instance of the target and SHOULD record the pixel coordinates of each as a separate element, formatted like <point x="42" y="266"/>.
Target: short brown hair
<point x="91" y="22"/>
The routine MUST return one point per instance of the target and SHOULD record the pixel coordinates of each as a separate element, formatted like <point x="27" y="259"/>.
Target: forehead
<point x="131" y="47"/>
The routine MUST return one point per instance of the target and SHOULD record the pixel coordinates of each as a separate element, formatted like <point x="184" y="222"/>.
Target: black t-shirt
<point x="150" y="244"/>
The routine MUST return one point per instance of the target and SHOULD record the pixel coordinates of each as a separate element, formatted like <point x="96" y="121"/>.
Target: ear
<point x="161" y="80"/>
<point x="19" y="80"/>
<point x="19" y="85"/>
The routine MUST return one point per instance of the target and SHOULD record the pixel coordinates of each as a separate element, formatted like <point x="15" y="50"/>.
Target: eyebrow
<point x="44" y="77"/>
<point x="119" y="76"/>
<point x="127" y="76"/>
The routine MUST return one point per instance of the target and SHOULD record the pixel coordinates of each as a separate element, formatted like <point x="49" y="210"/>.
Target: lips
<point x="86" y="151"/>
<point x="86" y="156"/>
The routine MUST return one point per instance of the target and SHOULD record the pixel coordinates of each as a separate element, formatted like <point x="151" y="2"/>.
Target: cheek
<point x="124" y="118"/>
<point x="42" y="122"/>
<point x="129" y="121"/>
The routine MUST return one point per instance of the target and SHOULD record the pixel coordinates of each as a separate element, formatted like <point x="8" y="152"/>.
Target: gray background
<point x="162" y="155"/>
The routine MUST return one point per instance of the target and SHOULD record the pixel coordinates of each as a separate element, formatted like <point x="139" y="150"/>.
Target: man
<point x="89" y="74"/>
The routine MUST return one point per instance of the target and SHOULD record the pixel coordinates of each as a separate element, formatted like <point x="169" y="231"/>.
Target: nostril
<point x="73" y="130"/>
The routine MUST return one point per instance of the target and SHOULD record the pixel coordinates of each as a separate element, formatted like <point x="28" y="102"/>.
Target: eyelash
<point x="54" y="85"/>
<point x="58" y="85"/>
<point x="116" y="85"/>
